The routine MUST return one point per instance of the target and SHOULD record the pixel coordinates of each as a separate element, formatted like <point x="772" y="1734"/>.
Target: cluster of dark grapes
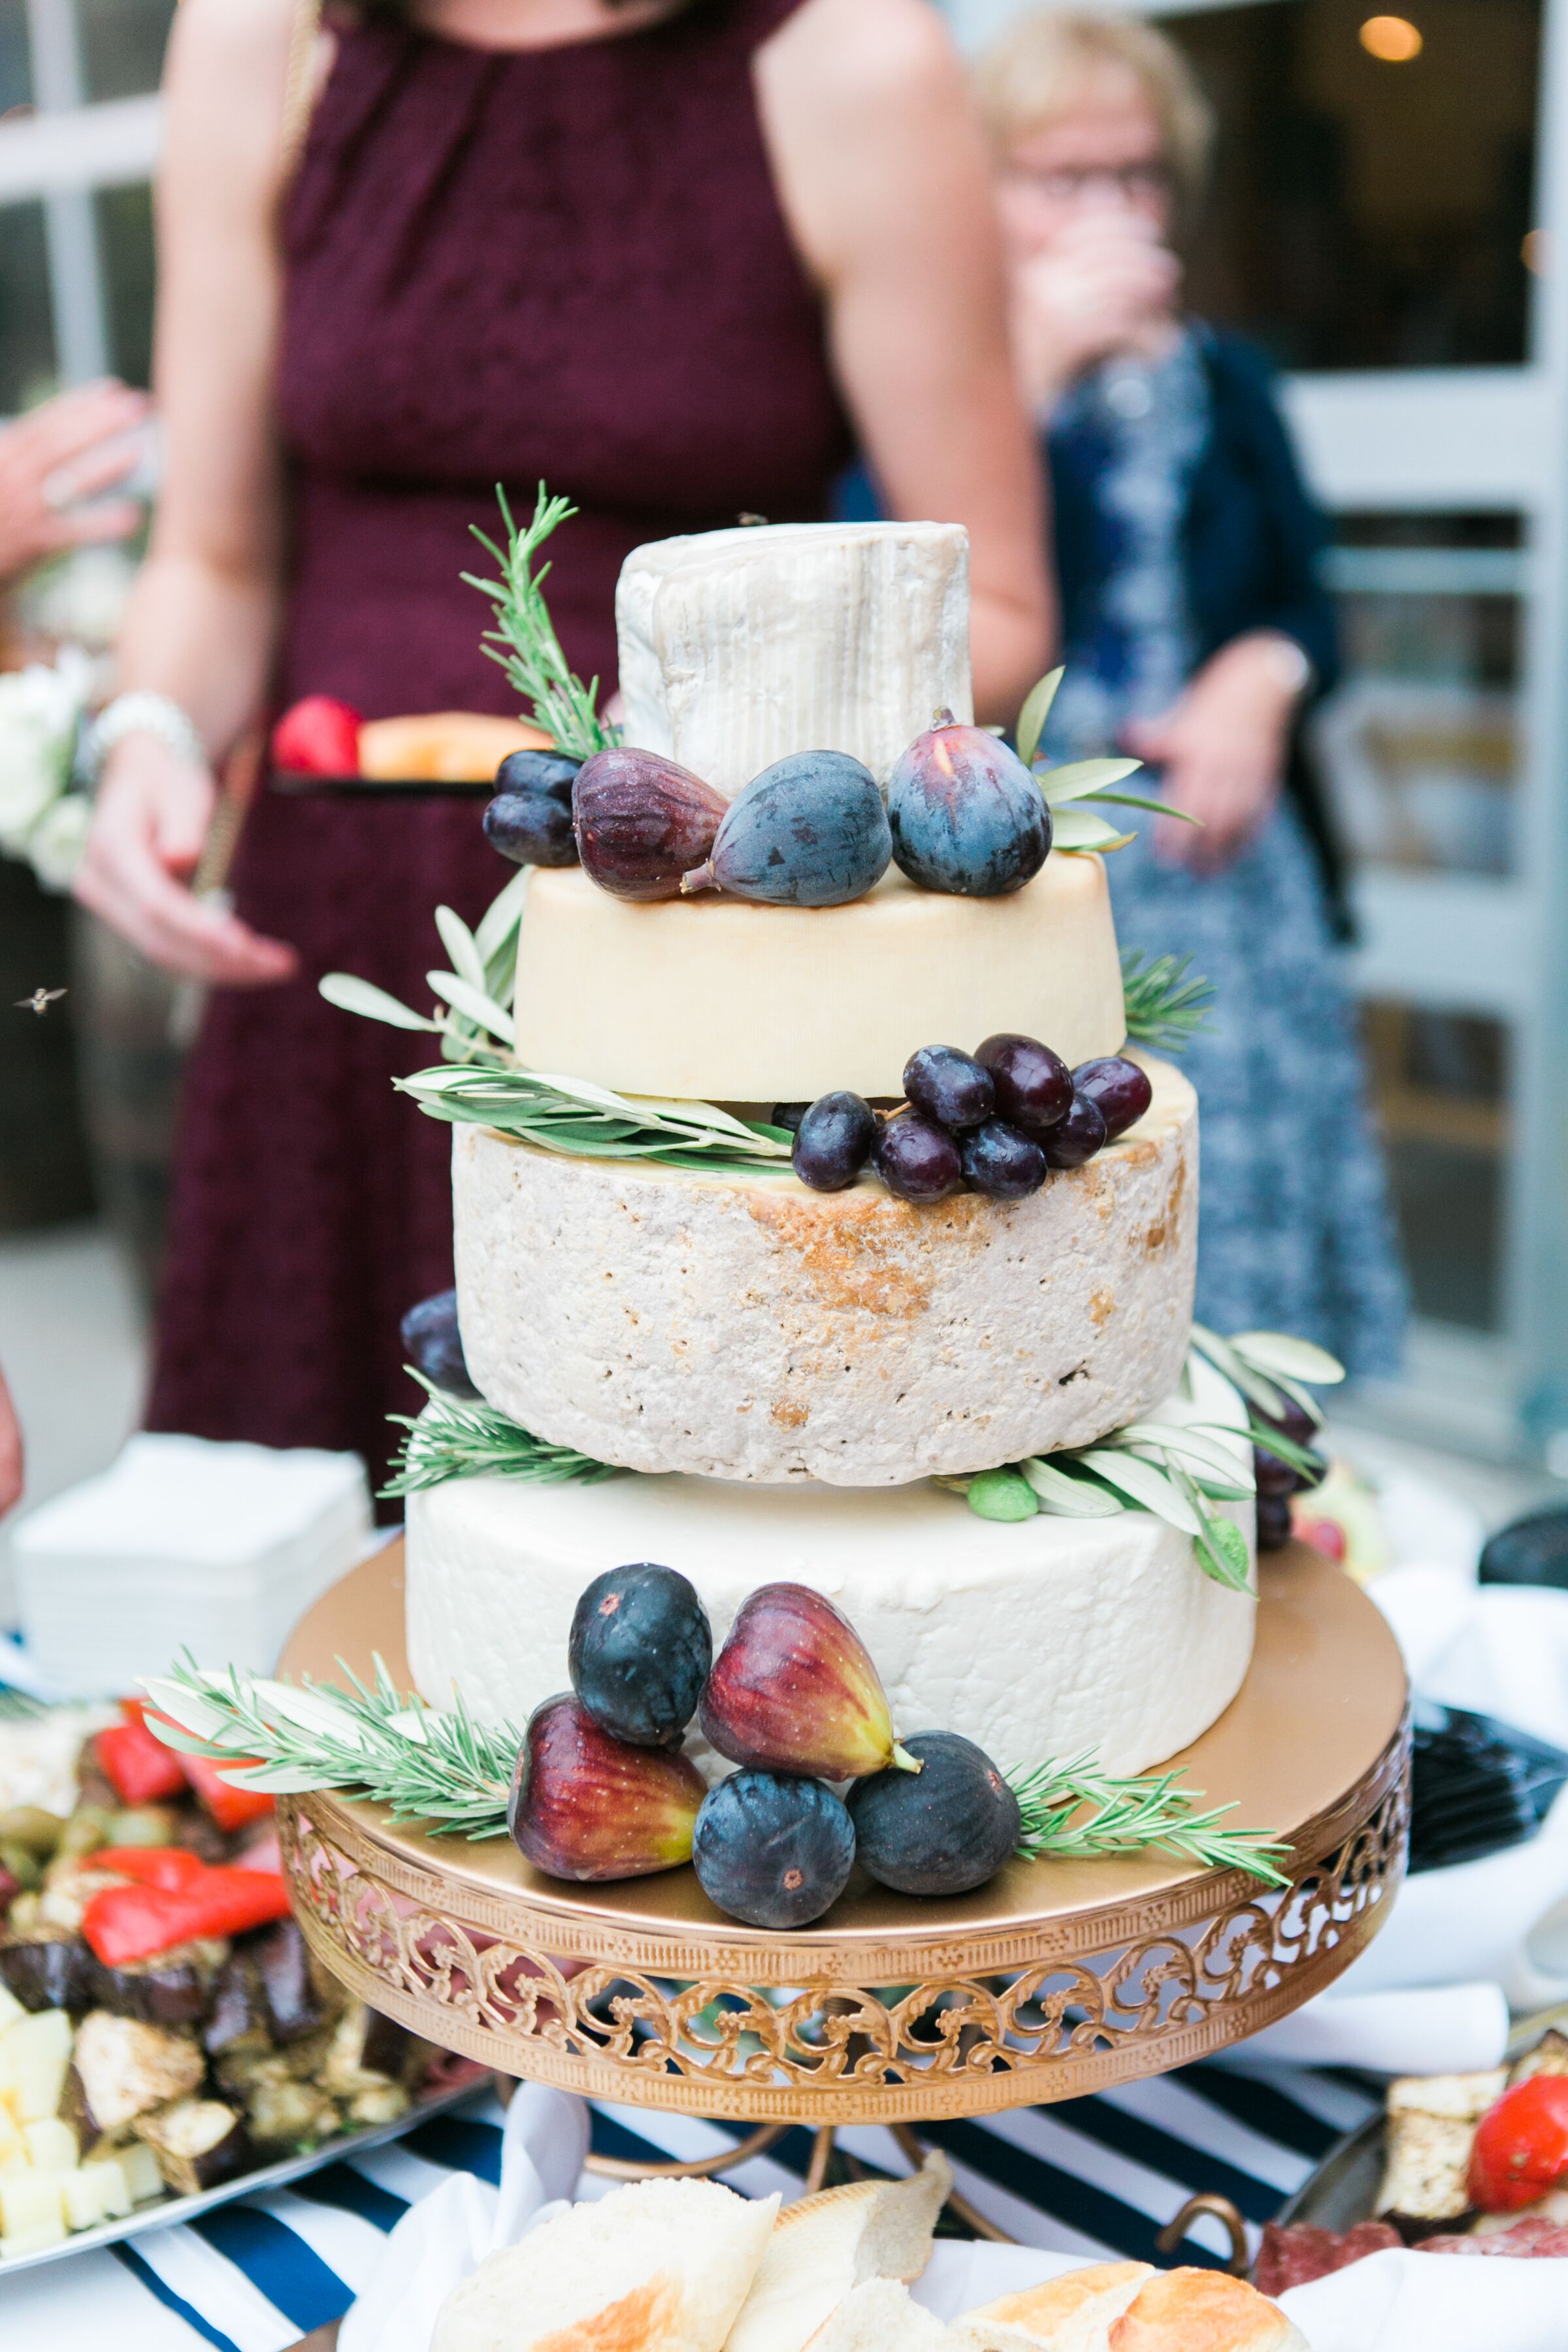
<point x="1278" y="1480"/>
<point x="999" y="1120"/>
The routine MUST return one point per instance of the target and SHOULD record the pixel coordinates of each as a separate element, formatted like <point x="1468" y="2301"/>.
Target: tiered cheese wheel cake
<point x="790" y="1372"/>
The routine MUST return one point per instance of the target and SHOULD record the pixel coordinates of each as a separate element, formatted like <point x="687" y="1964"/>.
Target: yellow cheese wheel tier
<point x="713" y="1000"/>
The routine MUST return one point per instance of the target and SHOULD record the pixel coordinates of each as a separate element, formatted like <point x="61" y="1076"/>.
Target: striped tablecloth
<point x="1092" y="2177"/>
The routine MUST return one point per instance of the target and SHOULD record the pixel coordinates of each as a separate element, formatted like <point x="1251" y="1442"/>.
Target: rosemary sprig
<point x="430" y="1766"/>
<point x="456" y="1438"/>
<point x="1165" y="1008"/>
<point x="524" y="641"/>
<point x="1128" y="1816"/>
<point x="453" y="1775"/>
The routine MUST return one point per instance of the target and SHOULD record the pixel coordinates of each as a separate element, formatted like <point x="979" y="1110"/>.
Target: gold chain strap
<point x="299" y="96"/>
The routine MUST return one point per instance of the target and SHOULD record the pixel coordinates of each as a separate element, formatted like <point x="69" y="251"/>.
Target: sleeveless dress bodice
<point x="565" y="265"/>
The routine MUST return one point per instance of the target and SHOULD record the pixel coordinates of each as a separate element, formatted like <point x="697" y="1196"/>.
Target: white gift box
<point x="184" y="1544"/>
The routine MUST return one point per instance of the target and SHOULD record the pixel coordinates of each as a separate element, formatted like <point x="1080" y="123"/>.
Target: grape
<point x="1273" y="1522"/>
<point x="948" y="1086"/>
<point x="1076" y="1137"/>
<point x="1294" y="1422"/>
<point x="917" y="1160"/>
<point x="789" y="1115"/>
<point x="1274" y="1477"/>
<point x="434" y="1345"/>
<point x="530" y="828"/>
<point x="549" y="773"/>
<point x="1003" y="1162"/>
<point x="833" y="1142"/>
<point x="1121" y="1089"/>
<point x="1034" y="1086"/>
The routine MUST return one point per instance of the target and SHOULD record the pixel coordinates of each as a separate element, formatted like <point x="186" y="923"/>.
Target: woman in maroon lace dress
<point x="672" y="260"/>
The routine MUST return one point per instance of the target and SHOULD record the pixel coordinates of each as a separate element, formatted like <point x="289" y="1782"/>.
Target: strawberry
<point x="318" y="737"/>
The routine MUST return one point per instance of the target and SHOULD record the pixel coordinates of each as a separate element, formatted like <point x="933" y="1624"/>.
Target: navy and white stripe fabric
<point x="1092" y="2177"/>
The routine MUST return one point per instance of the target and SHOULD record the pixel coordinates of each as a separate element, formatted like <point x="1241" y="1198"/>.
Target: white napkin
<point x="1435" y="2303"/>
<point x="448" y="2233"/>
<point x="1449" y="2029"/>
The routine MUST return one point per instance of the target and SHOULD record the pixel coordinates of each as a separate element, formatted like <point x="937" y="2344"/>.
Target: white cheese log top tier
<point x="710" y="999"/>
<point x="738" y="646"/>
<point x="1038" y="1639"/>
<point x="743" y="1327"/>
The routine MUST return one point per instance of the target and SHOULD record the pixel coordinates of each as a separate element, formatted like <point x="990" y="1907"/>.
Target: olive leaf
<point x="1083" y="778"/>
<point x="1253" y="1386"/>
<point x="473" y="1003"/>
<point x="1063" y="1489"/>
<point x="1156" y="1489"/>
<point x="1077" y="830"/>
<point x="372" y="1003"/>
<point x="1036" y="711"/>
<point x="1274" y="1353"/>
<point x="462" y="948"/>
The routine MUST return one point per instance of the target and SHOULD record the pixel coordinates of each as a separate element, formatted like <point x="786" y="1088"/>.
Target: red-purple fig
<point x="642" y="822"/>
<point x="794" y="1690"/>
<point x="586" y="1806"/>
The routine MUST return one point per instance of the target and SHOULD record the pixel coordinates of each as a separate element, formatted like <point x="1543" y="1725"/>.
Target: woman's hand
<point x="1106" y="285"/>
<point x="152" y="818"/>
<point x="10" y="1451"/>
<point x="68" y="450"/>
<point x="1223" y="747"/>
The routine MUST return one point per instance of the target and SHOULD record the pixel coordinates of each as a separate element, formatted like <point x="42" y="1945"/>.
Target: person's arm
<point x="203" y="616"/>
<point x="884" y="181"/>
<point x="10" y="1451"/>
<point x="68" y="449"/>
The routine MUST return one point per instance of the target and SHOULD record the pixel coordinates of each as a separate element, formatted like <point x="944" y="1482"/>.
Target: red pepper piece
<point x="228" y="1901"/>
<point x="168" y="1866"/>
<point x="230" y="1807"/>
<point x="142" y="1768"/>
<point x="133" y="1922"/>
<point x="1522" y="2146"/>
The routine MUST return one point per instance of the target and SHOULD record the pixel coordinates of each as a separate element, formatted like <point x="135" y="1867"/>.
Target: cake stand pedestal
<point x="1058" y="1978"/>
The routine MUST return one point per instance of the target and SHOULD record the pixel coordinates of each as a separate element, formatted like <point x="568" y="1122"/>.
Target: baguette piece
<point x="442" y="747"/>
<point x="661" y="2266"/>
<point x="878" y="2316"/>
<point x="825" y="2245"/>
<point x="1070" y="2313"/>
<point x="1200" y="2310"/>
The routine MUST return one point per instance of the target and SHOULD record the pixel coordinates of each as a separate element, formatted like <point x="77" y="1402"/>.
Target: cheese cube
<point x="51" y="2144"/>
<point x="11" y="2010"/>
<point x="11" y="2141"/>
<point x="29" y="2200"/>
<point x="143" y="2177"/>
<point x="17" y="2242"/>
<point x="110" y="2186"/>
<point x="35" y="2055"/>
<point x="82" y="2195"/>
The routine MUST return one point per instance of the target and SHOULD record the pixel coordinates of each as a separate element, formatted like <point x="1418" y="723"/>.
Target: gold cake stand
<point x="1055" y="1980"/>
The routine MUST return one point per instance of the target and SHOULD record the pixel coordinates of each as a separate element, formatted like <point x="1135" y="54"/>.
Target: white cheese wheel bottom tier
<point x="1038" y="1639"/>
<point x="743" y="1327"/>
<point x="712" y="1000"/>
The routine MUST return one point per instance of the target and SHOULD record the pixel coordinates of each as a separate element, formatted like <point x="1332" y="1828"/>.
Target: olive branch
<point x="1075" y="828"/>
<point x="453" y="1775"/>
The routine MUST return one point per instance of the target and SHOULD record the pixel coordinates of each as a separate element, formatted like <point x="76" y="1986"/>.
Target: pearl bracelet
<point x="142" y="713"/>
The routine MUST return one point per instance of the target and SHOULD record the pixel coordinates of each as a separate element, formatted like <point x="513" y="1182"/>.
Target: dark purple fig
<point x="530" y="828"/>
<point x="549" y="773"/>
<point x="966" y="814"/>
<point x="1120" y="1088"/>
<point x="432" y="1344"/>
<point x="794" y="1690"/>
<point x="1077" y="1137"/>
<point x="1034" y="1086"/>
<point x="941" y="1831"/>
<point x="948" y="1086"/>
<point x="639" y="1654"/>
<point x="917" y="1160"/>
<point x="810" y="831"/>
<point x="833" y="1141"/>
<point x="585" y="1806"/>
<point x="1273" y="1522"/>
<point x="642" y="822"/>
<point x="1002" y="1161"/>
<point x="772" y="1851"/>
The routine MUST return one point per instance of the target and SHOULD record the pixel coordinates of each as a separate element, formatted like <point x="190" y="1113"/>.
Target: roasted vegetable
<point x="49" y="1967"/>
<point x="282" y="2112"/>
<point x="86" y="1831"/>
<point x="300" y="1997"/>
<point x="143" y="1826"/>
<point x="382" y="2105"/>
<point x="199" y="2144"/>
<point x="366" y="2049"/>
<point x="230" y="1807"/>
<point x="31" y="1828"/>
<point x="173" y="1988"/>
<point x="122" y="2069"/>
<point x="139" y="1768"/>
<point x="237" y="2018"/>
<point x="131" y="1923"/>
<point x="169" y="1866"/>
<point x="70" y="1884"/>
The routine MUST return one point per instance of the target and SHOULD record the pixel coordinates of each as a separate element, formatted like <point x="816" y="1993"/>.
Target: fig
<point x="810" y="831"/>
<point x="432" y="1344"/>
<point x="549" y="773"/>
<point x="642" y="822"/>
<point x="794" y="1690"/>
<point x="967" y="817"/>
<point x="639" y="1654"/>
<point x="772" y="1851"/>
<point x="530" y="828"/>
<point x="586" y="1806"/>
<point x="1002" y="1161"/>
<point x="948" y="1086"/>
<point x="939" y="1831"/>
<point x="1119" y="1088"/>
<point x="1034" y="1086"/>
<point x="917" y="1160"/>
<point x="1077" y="1137"/>
<point x="833" y="1141"/>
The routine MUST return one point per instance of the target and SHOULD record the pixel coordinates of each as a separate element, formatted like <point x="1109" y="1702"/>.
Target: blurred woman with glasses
<point x="1197" y="636"/>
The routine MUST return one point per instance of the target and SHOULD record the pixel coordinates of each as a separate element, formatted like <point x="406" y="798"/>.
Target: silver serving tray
<point x="166" y="2213"/>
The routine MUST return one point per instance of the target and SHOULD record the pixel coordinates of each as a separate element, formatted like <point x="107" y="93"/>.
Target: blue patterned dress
<point x="1295" y="1231"/>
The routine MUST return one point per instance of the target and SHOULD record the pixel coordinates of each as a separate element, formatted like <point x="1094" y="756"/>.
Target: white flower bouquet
<point x="42" y="819"/>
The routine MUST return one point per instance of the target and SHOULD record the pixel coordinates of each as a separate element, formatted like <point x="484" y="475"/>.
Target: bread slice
<point x="1200" y="2310"/>
<point x="880" y="2315"/>
<point x="1070" y="2313"/>
<point x="827" y="2244"/>
<point x="661" y="2266"/>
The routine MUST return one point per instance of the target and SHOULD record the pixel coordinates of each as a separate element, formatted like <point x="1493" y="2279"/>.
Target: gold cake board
<point x="1055" y="1980"/>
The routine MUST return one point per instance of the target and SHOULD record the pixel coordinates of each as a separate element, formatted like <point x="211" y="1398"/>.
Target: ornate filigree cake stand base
<point x="1055" y="1980"/>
